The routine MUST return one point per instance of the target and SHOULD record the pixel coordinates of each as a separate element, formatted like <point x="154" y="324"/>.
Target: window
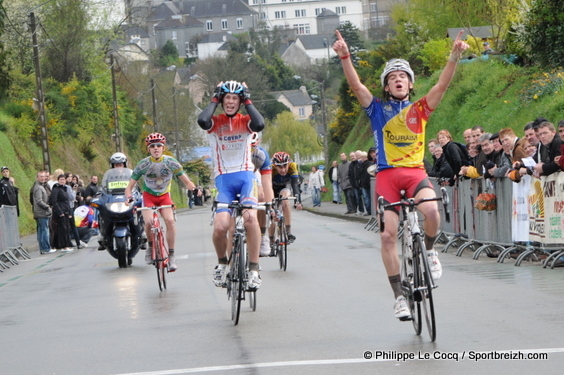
<point x="373" y="7"/>
<point x="223" y="24"/>
<point x="209" y="25"/>
<point x="280" y="14"/>
<point x="318" y="11"/>
<point x="300" y="13"/>
<point x="239" y="23"/>
<point x="341" y="10"/>
<point x="302" y="28"/>
<point x="301" y="111"/>
<point x="262" y="15"/>
<point x="174" y="36"/>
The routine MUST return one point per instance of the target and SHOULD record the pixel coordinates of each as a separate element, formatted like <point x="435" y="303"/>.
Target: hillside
<point x="487" y="93"/>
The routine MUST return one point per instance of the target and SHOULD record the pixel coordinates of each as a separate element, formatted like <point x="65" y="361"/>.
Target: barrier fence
<point x="527" y="222"/>
<point x="10" y="245"/>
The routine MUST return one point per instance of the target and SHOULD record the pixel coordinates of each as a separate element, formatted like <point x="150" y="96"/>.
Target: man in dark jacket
<point x="550" y="141"/>
<point x="92" y="188"/>
<point x="8" y="192"/>
<point x="355" y="171"/>
<point x="345" y="184"/>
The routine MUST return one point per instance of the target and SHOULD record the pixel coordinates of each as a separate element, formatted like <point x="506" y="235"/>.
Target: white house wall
<point x="307" y="10"/>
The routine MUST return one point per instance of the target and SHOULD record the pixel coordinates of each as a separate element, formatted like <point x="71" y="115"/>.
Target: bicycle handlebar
<point x="155" y="208"/>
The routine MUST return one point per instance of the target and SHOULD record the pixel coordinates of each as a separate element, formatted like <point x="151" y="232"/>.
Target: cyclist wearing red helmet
<point x="286" y="183"/>
<point x="230" y="136"/>
<point x="157" y="171"/>
<point x="399" y="133"/>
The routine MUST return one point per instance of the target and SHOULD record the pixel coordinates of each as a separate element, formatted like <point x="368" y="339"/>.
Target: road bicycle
<point x="237" y="276"/>
<point x="280" y="246"/>
<point x="159" y="254"/>
<point x="416" y="280"/>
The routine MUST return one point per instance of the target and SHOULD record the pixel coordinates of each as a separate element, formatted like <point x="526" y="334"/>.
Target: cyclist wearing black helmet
<point x="399" y="133"/>
<point x="230" y="136"/>
<point x="286" y="182"/>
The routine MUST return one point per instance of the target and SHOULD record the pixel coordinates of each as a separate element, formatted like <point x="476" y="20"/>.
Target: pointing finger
<point x="338" y="34"/>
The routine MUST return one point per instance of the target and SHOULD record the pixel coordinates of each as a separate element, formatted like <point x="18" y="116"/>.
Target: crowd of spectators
<point x="498" y="155"/>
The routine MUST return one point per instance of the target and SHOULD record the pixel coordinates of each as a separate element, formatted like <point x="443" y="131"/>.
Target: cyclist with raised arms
<point x="263" y="173"/>
<point x="230" y="135"/>
<point x="157" y="171"/>
<point x="286" y="181"/>
<point x="399" y="133"/>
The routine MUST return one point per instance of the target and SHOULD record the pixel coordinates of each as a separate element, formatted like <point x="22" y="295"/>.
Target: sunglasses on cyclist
<point x="153" y="145"/>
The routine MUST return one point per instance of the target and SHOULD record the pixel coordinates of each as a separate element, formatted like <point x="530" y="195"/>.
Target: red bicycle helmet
<point x="281" y="158"/>
<point x="155" y="138"/>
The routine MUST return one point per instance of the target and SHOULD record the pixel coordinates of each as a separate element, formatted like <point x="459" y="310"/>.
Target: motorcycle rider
<point x="118" y="160"/>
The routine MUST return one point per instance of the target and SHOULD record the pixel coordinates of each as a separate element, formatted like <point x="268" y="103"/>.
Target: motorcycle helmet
<point x="118" y="157"/>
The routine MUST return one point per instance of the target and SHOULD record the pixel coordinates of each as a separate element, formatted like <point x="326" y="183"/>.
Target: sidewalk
<point x="331" y="209"/>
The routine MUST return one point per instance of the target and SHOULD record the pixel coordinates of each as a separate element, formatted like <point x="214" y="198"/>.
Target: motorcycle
<point x="120" y="230"/>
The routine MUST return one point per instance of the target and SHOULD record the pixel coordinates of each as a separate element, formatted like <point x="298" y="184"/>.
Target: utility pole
<point x="116" y="115"/>
<point x="154" y="105"/>
<point x="40" y="95"/>
<point x="177" y="139"/>
<point x="324" y="126"/>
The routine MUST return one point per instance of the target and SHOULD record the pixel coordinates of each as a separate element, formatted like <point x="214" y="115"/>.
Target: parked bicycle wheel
<point x="426" y="288"/>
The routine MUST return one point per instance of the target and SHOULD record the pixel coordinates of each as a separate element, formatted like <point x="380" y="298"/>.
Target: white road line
<point x="321" y="362"/>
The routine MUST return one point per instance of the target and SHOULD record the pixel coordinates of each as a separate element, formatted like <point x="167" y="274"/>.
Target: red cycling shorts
<point x="391" y="181"/>
<point x="150" y="200"/>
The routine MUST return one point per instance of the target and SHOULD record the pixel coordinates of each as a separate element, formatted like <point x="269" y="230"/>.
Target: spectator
<point x="316" y="182"/>
<point x="365" y="183"/>
<point x="92" y="188"/>
<point x="549" y="140"/>
<point x="59" y="200"/>
<point x="452" y="154"/>
<point x="487" y="49"/>
<point x="42" y="213"/>
<point x="355" y="170"/>
<point x="496" y="142"/>
<point x="334" y="178"/>
<point x="72" y="190"/>
<point x="8" y="192"/>
<point x="441" y="168"/>
<point x="85" y="223"/>
<point x="511" y="145"/>
<point x="429" y="165"/>
<point x="345" y="184"/>
<point x="467" y="135"/>
<point x="559" y="158"/>
<point x="490" y="163"/>
<point x="53" y="179"/>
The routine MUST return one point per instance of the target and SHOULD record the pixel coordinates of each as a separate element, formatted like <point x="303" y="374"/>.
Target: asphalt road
<point x="78" y="313"/>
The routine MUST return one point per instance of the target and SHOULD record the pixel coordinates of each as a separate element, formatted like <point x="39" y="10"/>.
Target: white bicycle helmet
<point x="395" y="65"/>
<point x="232" y="87"/>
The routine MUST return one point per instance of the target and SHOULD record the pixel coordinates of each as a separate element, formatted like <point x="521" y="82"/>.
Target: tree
<point x="351" y="34"/>
<point x="290" y="135"/>
<point x="4" y="76"/>
<point x="544" y="33"/>
<point x="168" y="55"/>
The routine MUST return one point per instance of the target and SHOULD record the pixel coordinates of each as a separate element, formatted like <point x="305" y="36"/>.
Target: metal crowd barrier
<point x="10" y="245"/>
<point x="491" y="232"/>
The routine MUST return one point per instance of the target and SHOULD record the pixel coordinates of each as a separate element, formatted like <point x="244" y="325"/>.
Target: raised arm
<point x="360" y="90"/>
<point x="437" y="92"/>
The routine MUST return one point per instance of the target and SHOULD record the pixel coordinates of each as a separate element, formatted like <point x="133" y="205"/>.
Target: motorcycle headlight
<point x="118" y="207"/>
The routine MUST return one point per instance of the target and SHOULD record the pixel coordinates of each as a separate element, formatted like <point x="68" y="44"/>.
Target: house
<point x="298" y="102"/>
<point x="216" y="44"/>
<point x="137" y="35"/>
<point x="308" y="50"/>
<point x="180" y="29"/>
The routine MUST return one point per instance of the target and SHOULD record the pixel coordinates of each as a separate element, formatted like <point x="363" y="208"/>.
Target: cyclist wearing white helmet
<point x="230" y="136"/>
<point x="399" y="132"/>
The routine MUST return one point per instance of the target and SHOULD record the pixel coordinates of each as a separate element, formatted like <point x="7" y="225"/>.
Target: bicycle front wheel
<point x="160" y="258"/>
<point x="236" y="280"/>
<point x="426" y="288"/>
<point x="282" y="242"/>
<point x="408" y="282"/>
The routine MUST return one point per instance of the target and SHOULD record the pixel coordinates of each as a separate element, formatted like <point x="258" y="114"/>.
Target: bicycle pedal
<point x="406" y="319"/>
<point x="417" y="296"/>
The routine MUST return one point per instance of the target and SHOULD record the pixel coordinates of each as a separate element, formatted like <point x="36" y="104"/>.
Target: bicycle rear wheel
<point x="160" y="258"/>
<point x="426" y="287"/>
<point x="408" y="277"/>
<point x="282" y="241"/>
